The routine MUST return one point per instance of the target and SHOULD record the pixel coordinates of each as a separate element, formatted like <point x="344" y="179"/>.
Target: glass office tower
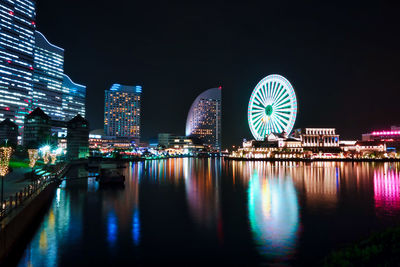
<point x="204" y="118"/>
<point x="73" y="99"/>
<point x="17" y="42"/>
<point x="122" y="111"/>
<point x="48" y="77"/>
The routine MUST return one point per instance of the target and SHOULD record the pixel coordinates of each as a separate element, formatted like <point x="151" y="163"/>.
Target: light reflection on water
<point x="231" y="212"/>
<point x="273" y="214"/>
<point x="387" y="191"/>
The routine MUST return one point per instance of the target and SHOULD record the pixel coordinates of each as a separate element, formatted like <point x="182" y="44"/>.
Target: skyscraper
<point x="73" y="99"/>
<point x="48" y="77"/>
<point x="122" y="111"/>
<point x="17" y="41"/>
<point x="204" y="118"/>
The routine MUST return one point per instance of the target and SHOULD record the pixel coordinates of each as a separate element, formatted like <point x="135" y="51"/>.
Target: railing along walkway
<point x="34" y="188"/>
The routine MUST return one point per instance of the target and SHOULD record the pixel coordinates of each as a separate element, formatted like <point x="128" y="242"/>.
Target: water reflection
<point x="203" y="191"/>
<point x="230" y="212"/>
<point x="112" y="228"/>
<point x="273" y="214"/>
<point x="387" y="190"/>
<point x="56" y="227"/>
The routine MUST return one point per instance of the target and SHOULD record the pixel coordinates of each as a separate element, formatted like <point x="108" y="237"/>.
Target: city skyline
<point x="140" y="163"/>
<point x="331" y="77"/>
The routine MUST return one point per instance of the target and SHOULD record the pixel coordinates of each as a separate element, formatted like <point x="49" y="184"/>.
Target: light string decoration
<point x="5" y="155"/>
<point x="33" y="157"/>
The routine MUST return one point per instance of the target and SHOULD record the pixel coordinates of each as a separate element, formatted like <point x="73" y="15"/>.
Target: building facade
<point x="73" y="98"/>
<point x="391" y="138"/>
<point x="204" y="118"/>
<point x="164" y="139"/>
<point x="122" y="111"/>
<point x="77" y="138"/>
<point x="37" y="130"/>
<point x="8" y="133"/>
<point x="318" y="139"/>
<point x="17" y="43"/>
<point x="48" y="72"/>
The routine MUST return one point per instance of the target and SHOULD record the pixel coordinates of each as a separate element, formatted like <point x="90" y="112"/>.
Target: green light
<point x="268" y="110"/>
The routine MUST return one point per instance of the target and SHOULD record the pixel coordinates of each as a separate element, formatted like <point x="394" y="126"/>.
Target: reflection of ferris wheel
<point x="272" y="107"/>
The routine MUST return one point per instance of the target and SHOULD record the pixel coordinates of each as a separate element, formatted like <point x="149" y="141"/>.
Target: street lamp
<point x="54" y="154"/>
<point x="45" y="153"/>
<point x="5" y="154"/>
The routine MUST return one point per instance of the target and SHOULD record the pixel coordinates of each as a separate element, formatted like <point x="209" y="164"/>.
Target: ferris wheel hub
<point x="268" y="110"/>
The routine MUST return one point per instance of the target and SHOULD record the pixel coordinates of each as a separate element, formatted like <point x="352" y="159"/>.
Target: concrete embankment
<point x="18" y="222"/>
<point x="15" y="227"/>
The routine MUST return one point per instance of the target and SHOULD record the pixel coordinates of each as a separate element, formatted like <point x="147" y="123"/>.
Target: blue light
<point x="136" y="227"/>
<point x="138" y="88"/>
<point x="115" y="87"/>
<point x="112" y="228"/>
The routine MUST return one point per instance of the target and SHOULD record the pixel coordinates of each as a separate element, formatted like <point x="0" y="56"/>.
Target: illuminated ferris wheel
<point x="272" y="107"/>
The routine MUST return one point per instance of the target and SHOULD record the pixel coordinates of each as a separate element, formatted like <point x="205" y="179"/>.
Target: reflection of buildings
<point x="114" y="208"/>
<point x="204" y="118"/>
<point x="387" y="191"/>
<point x="202" y="190"/>
<point x="60" y="223"/>
<point x="321" y="184"/>
<point x="273" y="214"/>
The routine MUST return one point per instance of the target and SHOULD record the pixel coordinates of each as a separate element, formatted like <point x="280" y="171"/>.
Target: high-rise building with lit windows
<point x="17" y="42"/>
<point x="204" y="118"/>
<point x="73" y="99"/>
<point x="122" y="111"/>
<point x="48" y="72"/>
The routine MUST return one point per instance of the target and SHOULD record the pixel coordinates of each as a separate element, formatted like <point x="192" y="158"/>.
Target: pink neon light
<point x="386" y="133"/>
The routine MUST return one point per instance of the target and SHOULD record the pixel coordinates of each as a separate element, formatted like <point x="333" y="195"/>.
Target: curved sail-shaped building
<point x="48" y="72"/>
<point x="74" y="98"/>
<point x="204" y="118"/>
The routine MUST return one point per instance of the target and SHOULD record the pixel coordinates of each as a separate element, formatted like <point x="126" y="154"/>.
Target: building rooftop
<point x="38" y="112"/>
<point x="8" y="122"/>
<point x="126" y="88"/>
<point x="78" y="118"/>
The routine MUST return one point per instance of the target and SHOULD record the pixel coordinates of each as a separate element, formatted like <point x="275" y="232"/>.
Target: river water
<point x="210" y="211"/>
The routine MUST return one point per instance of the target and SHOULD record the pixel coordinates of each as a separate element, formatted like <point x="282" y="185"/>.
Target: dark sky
<point x="342" y="58"/>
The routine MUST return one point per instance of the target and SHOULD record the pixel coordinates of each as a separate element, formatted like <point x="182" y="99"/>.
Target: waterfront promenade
<point x="16" y="181"/>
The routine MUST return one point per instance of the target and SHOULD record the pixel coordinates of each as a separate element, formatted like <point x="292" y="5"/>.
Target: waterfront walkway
<point x="15" y="181"/>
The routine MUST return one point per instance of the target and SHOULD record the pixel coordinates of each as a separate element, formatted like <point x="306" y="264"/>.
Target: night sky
<point x="342" y="58"/>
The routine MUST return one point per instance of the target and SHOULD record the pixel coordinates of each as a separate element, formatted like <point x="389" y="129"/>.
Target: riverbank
<point x="380" y="249"/>
<point x="18" y="213"/>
